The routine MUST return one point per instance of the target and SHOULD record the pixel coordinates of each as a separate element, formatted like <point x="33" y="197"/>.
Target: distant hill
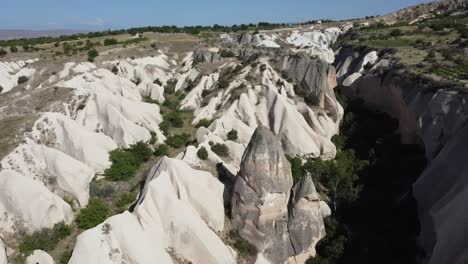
<point x="15" y="34"/>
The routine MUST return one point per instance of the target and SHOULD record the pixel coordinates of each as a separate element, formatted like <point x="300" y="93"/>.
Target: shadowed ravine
<point x="381" y="225"/>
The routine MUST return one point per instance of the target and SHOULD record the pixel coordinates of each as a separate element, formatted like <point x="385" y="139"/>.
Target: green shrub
<point x="125" y="199"/>
<point x="227" y="54"/>
<point x="110" y="41"/>
<point x="65" y="257"/>
<point x="202" y="153"/>
<point x="204" y="123"/>
<point x="232" y="135"/>
<point x="96" y="212"/>
<point x="296" y="167"/>
<point x="170" y="87"/>
<point x="162" y="150"/>
<point x="158" y="82"/>
<point x="178" y="140"/>
<point x="396" y="32"/>
<point x="223" y="83"/>
<point x="174" y="118"/>
<point x="45" y="239"/>
<point x="164" y="126"/>
<point x="241" y="245"/>
<point x="92" y="54"/>
<point x="13" y="49"/>
<point x="312" y="100"/>
<point x="23" y="79"/>
<point x="3" y="52"/>
<point x="220" y="149"/>
<point x="125" y="162"/>
<point x="115" y="69"/>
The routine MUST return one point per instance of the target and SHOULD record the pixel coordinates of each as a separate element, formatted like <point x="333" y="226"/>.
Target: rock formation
<point x="179" y="208"/>
<point x="261" y="208"/>
<point x="39" y="256"/>
<point x="434" y="115"/>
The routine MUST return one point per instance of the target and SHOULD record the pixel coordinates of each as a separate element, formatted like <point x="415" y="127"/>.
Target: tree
<point x="202" y="153"/>
<point x="220" y="149"/>
<point x="110" y="41"/>
<point x="232" y="135"/>
<point x="13" y="49"/>
<point x="312" y="100"/>
<point x="162" y="150"/>
<point x="92" y="54"/>
<point x="23" y="79"/>
<point x="396" y="32"/>
<point x="115" y="69"/>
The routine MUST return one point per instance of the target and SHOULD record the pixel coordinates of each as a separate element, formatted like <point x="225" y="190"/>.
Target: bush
<point x="115" y="69"/>
<point x="396" y="33"/>
<point x="45" y="239"/>
<point x="223" y="83"/>
<point x="65" y="257"/>
<point x="175" y="119"/>
<point x="204" y="123"/>
<point x="125" y="199"/>
<point x="111" y="41"/>
<point x="23" y="79"/>
<point x="202" y="153"/>
<point x="125" y="162"/>
<point x="170" y="87"/>
<point x="232" y="135"/>
<point x="296" y="167"/>
<point x="179" y="140"/>
<point x="13" y="49"/>
<point x="164" y="126"/>
<point x="162" y="150"/>
<point x="1" y="88"/>
<point x="92" y="54"/>
<point x="312" y="100"/>
<point x="158" y="82"/>
<point x="263" y="67"/>
<point x="227" y="54"/>
<point x="3" y="52"/>
<point x="96" y="212"/>
<point x="220" y="149"/>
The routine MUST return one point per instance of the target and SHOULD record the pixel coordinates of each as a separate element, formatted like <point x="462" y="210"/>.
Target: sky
<point x="117" y="14"/>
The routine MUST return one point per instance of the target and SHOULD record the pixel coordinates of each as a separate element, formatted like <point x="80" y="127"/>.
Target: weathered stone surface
<point x="203" y="55"/>
<point x="261" y="195"/>
<point x="306" y="215"/>
<point x="282" y="228"/>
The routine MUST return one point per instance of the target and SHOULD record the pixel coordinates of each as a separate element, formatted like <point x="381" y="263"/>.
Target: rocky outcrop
<point x="204" y="55"/>
<point x="315" y="77"/>
<point x="261" y="195"/>
<point x="261" y="208"/>
<point x="306" y="215"/>
<point x="3" y="253"/>
<point x="179" y="209"/>
<point x="433" y="115"/>
<point x="39" y="256"/>
<point x="11" y="71"/>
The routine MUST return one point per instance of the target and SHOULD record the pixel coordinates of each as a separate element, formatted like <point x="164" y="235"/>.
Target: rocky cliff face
<point x="435" y="116"/>
<point x="281" y="227"/>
